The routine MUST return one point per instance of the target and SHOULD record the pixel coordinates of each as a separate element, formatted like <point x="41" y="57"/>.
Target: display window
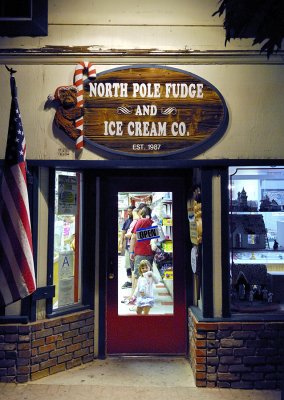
<point x="145" y="253"/>
<point x="257" y="239"/>
<point x="67" y="239"/>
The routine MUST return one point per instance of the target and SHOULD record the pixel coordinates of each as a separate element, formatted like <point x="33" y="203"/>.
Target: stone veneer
<point x="38" y="349"/>
<point x="242" y="355"/>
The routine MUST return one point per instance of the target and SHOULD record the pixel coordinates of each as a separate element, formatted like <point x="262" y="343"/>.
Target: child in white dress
<point x="144" y="292"/>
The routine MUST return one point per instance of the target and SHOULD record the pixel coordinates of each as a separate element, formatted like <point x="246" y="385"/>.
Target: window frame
<point x="36" y="26"/>
<point x="84" y="302"/>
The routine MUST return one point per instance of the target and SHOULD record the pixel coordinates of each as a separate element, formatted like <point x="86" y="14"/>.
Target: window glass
<point x="145" y="254"/>
<point x="67" y="239"/>
<point x="257" y="239"/>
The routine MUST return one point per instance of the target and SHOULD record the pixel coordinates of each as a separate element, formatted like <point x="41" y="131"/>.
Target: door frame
<point x="101" y="261"/>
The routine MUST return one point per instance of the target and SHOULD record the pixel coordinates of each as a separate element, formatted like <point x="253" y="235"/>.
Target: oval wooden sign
<point x="152" y="111"/>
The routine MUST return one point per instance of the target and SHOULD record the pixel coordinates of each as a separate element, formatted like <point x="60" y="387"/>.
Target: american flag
<point x="17" y="277"/>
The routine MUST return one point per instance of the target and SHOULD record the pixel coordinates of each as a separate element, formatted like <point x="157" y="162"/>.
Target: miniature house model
<point x="248" y="231"/>
<point x="251" y="288"/>
<point x="250" y="275"/>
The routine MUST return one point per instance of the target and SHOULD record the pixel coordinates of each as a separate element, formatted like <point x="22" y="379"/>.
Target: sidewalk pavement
<point x="125" y="379"/>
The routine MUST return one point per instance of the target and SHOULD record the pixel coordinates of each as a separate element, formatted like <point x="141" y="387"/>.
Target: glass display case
<point x="257" y="238"/>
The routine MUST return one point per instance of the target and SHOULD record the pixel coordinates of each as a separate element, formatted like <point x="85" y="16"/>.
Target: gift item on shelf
<point x="247" y="275"/>
<point x="269" y="205"/>
<point x="248" y="231"/>
<point x="168" y="273"/>
<point x="168" y="246"/>
<point x="251" y="288"/>
<point x="243" y="204"/>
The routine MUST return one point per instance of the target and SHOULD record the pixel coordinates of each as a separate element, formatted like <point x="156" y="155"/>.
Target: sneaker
<point x="126" y="285"/>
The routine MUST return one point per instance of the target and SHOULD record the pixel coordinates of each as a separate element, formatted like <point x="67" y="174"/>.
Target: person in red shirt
<point x="141" y="249"/>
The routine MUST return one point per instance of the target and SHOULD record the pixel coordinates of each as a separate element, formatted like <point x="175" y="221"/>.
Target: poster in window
<point x="67" y="195"/>
<point x="66" y="292"/>
<point x="66" y="278"/>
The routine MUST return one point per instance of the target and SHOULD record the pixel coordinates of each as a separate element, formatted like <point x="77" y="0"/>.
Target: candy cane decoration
<point x="78" y="81"/>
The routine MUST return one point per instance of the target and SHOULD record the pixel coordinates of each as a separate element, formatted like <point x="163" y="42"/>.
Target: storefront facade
<point x="219" y="201"/>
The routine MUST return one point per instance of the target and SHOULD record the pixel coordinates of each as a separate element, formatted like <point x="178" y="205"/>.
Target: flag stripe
<point x="6" y="295"/>
<point x="17" y="249"/>
<point x="15" y="287"/>
<point x="9" y="287"/>
<point x="13" y="186"/>
<point x="2" y="298"/>
<point x="12" y="256"/>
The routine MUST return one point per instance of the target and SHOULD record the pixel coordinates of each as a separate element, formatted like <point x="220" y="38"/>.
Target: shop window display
<point x="67" y="225"/>
<point x="257" y="239"/>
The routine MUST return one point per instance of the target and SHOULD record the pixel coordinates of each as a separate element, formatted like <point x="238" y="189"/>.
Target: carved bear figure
<point x="67" y="112"/>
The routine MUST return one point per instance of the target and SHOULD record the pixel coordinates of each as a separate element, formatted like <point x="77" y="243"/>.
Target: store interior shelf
<point x="260" y="251"/>
<point x="256" y="261"/>
<point x="256" y="212"/>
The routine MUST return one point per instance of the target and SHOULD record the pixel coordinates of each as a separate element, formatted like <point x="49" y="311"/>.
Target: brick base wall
<point x="35" y="350"/>
<point x="240" y="355"/>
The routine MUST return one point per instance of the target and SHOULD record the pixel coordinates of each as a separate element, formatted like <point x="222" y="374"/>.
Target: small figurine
<point x="242" y="292"/>
<point x="269" y="297"/>
<point x="264" y="294"/>
<point x="242" y="200"/>
<point x="251" y="295"/>
<point x="275" y="245"/>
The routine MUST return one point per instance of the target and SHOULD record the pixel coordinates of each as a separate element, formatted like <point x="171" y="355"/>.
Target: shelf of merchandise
<point x="167" y="226"/>
<point x="256" y="188"/>
<point x="166" y="200"/>
<point x="264" y="256"/>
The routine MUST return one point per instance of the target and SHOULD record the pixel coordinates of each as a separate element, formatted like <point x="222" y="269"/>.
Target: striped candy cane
<point x="78" y="81"/>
